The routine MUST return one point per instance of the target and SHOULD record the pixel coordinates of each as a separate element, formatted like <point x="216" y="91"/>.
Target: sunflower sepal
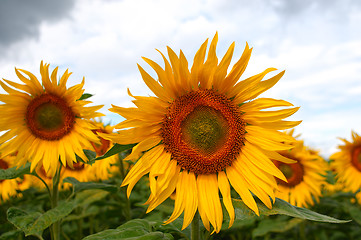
<point x="85" y="96"/>
<point x="117" y="148"/>
<point x="88" y="153"/>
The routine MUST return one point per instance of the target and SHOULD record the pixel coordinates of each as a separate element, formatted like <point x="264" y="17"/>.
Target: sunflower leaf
<point x="80" y="186"/>
<point x="117" y="148"/>
<point x="139" y="229"/>
<point x="34" y="223"/>
<point x="14" y="172"/>
<point x="284" y="208"/>
<point x="85" y="96"/>
<point x="275" y="225"/>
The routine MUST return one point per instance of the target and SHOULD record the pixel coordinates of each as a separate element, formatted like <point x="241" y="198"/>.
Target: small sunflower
<point x="305" y="177"/>
<point x="104" y="168"/>
<point x="45" y="122"/>
<point x="347" y="163"/>
<point x="202" y="133"/>
<point x="80" y="171"/>
<point x="8" y="187"/>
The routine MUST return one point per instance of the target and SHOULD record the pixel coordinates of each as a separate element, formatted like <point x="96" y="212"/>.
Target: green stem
<point x="79" y="224"/>
<point x="127" y="202"/>
<point x="46" y="185"/>
<point x="302" y="230"/>
<point x="55" y="233"/>
<point x="195" y="227"/>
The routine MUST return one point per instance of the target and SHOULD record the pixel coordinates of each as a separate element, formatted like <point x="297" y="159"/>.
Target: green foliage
<point x="80" y="186"/>
<point x="117" y="148"/>
<point x="85" y="96"/>
<point x="14" y="172"/>
<point x="98" y="210"/>
<point x="34" y="223"/>
<point x="134" y="229"/>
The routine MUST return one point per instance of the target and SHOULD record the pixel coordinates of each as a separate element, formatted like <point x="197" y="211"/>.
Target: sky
<point x="318" y="43"/>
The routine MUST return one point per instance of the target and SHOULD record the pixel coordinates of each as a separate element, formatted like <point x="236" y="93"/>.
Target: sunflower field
<point x="204" y="158"/>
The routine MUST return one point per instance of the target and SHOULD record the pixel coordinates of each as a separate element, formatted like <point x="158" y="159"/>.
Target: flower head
<point x="104" y="168"/>
<point x="45" y="121"/>
<point x="305" y="177"/>
<point x="8" y="187"/>
<point x="347" y="163"/>
<point x="202" y="133"/>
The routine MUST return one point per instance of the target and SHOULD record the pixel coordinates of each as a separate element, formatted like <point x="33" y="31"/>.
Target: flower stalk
<point x="195" y="227"/>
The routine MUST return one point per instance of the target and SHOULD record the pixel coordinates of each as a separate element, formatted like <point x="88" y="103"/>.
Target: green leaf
<point x="34" y="223"/>
<point x="80" y="186"/>
<point x="12" y="173"/>
<point x="11" y="235"/>
<point x="275" y="225"/>
<point x="117" y="148"/>
<point x="355" y="212"/>
<point x="131" y="230"/>
<point x="87" y="197"/>
<point x="281" y="207"/>
<point x="23" y="220"/>
<point x="88" y="153"/>
<point x="85" y="96"/>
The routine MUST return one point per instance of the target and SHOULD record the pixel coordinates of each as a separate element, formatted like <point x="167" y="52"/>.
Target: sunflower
<point x="347" y="163"/>
<point x="45" y="122"/>
<point x="8" y="187"/>
<point x="305" y="177"/>
<point x="80" y="171"/>
<point x="104" y="168"/>
<point x="201" y="134"/>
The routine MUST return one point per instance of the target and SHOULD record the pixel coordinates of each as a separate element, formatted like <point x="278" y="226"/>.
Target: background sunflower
<point x="305" y="177"/>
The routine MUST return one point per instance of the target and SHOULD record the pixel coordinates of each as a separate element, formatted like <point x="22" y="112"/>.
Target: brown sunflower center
<point x="293" y="173"/>
<point x="49" y="117"/>
<point x="204" y="131"/>
<point x="104" y="145"/>
<point x="76" y="167"/>
<point x="356" y="158"/>
<point x="3" y="165"/>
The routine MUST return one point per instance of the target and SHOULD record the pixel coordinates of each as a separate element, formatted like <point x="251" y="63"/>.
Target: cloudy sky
<point x="318" y="43"/>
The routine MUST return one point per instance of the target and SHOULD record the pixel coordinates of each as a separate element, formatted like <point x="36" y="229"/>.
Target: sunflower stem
<point x="55" y="233"/>
<point x="195" y="227"/>
<point x="302" y="230"/>
<point x="127" y="202"/>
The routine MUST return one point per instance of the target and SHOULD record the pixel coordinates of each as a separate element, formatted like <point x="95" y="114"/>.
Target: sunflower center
<point x="76" y="167"/>
<point x="101" y="149"/>
<point x="204" y="131"/>
<point x="293" y="173"/>
<point x="286" y="170"/>
<point x="3" y="165"/>
<point x="49" y="117"/>
<point x="356" y="158"/>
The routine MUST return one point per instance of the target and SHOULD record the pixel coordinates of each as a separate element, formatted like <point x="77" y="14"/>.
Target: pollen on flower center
<point x="3" y="165"/>
<point x="356" y="158"/>
<point x="204" y="131"/>
<point x="49" y="117"/>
